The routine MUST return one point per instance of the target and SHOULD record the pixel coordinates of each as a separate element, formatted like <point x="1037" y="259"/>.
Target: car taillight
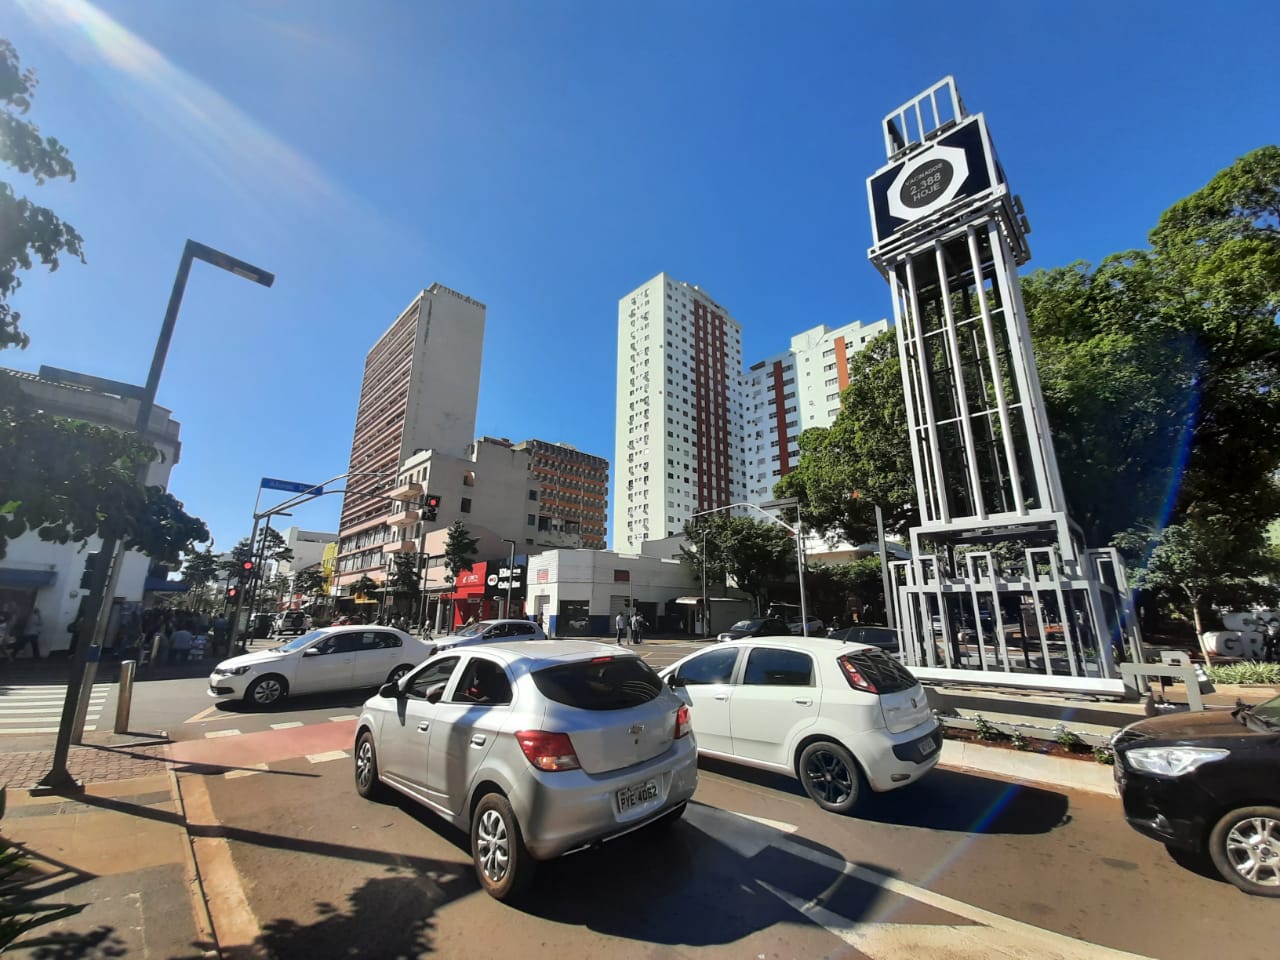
<point x="548" y="751"/>
<point x="682" y="722"/>
<point x="855" y="678"/>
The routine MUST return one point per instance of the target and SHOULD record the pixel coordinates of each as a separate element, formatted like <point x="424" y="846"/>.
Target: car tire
<point x="503" y="865"/>
<point x="395" y="675"/>
<point x="830" y="776"/>
<point x="266" y="691"/>
<point x="366" y="767"/>
<point x="1245" y="847"/>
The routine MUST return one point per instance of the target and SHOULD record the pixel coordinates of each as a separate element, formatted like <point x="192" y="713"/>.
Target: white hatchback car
<point x="837" y="716"/>
<point x="331" y="658"/>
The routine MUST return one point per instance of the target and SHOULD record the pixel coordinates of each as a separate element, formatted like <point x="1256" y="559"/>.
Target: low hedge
<point x="1249" y="671"/>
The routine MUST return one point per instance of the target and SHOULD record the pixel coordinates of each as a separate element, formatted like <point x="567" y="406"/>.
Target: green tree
<point x="404" y="576"/>
<point x="30" y="232"/>
<point x="365" y="586"/>
<point x="199" y="571"/>
<point x="864" y="451"/>
<point x="460" y="548"/>
<point x="309" y="582"/>
<point x="754" y="553"/>
<point x="67" y="480"/>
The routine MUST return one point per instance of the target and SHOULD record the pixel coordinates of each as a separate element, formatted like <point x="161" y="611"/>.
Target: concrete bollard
<point x="124" y="695"/>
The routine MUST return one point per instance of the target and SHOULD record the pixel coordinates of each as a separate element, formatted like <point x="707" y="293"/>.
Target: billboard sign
<point x="958" y="164"/>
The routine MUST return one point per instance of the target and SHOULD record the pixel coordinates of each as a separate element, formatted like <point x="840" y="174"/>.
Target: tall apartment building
<point x="575" y="489"/>
<point x="420" y="387"/>
<point x="793" y="391"/>
<point x="679" y="434"/>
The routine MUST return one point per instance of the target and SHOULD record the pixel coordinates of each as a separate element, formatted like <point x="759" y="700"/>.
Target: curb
<point x="191" y="870"/>
<point x="1085" y="775"/>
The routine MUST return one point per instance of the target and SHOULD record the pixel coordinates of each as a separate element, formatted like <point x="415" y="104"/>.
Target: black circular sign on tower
<point x="924" y="184"/>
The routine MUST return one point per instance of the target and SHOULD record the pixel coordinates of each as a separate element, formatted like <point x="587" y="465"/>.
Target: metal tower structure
<point x="996" y="562"/>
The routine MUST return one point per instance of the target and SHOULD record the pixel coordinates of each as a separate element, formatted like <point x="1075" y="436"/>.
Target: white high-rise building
<point x="794" y="391"/>
<point x="680" y="432"/>
<point x="694" y="431"/>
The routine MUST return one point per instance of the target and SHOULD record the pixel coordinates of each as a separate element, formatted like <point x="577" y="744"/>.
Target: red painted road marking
<point x="267" y="746"/>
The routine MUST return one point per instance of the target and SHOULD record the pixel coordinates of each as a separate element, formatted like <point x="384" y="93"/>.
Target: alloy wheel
<point x="267" y="691"/>
<point x="364" y="763"/>
<point x="829" y="776"/>
<point x="493" y="846"/>
<point x="1253" y="849"/>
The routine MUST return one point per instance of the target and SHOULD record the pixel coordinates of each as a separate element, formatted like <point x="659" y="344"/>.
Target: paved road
<point x="957" y="866"/>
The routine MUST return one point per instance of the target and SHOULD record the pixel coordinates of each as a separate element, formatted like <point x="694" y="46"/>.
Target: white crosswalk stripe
<point x="36" y="708"/>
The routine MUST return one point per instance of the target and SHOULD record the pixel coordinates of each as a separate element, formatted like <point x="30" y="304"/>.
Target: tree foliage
<point x="28" y="232"/>
<point x="460" y="548"/>
<point x="753" y="553"/>
<point x="65" y="479"/>
<point x="404" y="576"/>
<point x="309" y="582"/>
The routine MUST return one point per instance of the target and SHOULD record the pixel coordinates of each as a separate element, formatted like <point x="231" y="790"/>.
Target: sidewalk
<point x="119" y="847"/>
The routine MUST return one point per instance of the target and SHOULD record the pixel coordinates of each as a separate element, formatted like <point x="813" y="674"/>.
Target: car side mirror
<point x="436" y="693"/>
<point x="312" y="652"/>
<point x="391" y="690"/>
<point x="674" y="681"/>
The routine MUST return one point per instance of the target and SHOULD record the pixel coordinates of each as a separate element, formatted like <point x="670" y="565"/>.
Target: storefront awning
<point x="161" y="585"/>
<point x="26" y="579"/>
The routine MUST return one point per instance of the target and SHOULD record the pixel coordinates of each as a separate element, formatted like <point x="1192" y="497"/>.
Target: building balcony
<point x="399" y="546"/>
<point x="406" y="519"/>
<point x="404" y="491"/>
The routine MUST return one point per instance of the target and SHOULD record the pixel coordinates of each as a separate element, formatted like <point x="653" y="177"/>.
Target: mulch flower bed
<point x="1051" y="748"/>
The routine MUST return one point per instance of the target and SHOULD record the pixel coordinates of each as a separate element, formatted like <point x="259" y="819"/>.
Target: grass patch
<point x="1250" y="671"/>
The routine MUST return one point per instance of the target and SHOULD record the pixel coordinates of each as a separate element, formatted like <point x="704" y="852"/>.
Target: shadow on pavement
<point x="942" y="800"/>
<point x="707" y="880"/>
<point x="385" y="917"/>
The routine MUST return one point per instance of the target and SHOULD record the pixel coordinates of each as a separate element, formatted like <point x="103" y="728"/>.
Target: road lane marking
<point x="43" y="729"/>
<point x="203" y="715"/>
<point x="775" y="824"/>
<point x="345" y="717"/>
<point x="48" y="709"/>
<point x="214" y="734"/>
<point x="327" y="755"/>
<point x="246" y="772"/>
<point x="286" y="726"/>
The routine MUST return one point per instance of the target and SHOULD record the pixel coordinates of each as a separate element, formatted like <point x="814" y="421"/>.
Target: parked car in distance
<point x="884" y="639"/>
<point x="816" y="627"/>
<point x="536" y="749"/>
<point x="332" y="658"/>
<point x="488" y="631"/>
<point x="1208" y="782"/>
<point x="838" y="717"/>
<point x="293" y="622"/>
<point x="758" y="627"/>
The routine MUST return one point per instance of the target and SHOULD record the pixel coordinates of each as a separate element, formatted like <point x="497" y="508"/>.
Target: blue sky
<point x="546" y="157"/>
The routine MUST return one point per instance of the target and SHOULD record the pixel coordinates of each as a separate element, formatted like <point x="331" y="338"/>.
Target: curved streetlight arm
<point x="795" y="531"/>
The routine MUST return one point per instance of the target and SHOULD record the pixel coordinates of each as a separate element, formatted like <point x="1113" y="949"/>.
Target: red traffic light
<point x="433" y="501"/>
<point x="231" y="593"/>
<point x="247" y="565"/>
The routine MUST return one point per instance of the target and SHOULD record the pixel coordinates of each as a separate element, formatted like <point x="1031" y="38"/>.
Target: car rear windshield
<point x="888" y="675"/>
<point x="607" y="683"/>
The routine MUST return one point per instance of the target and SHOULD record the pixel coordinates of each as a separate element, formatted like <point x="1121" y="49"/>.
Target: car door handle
<point x="803" y="701"/>
<point x="721" y="696"/>
<point x="477" y="739"/>
<point x="423" y="725"/>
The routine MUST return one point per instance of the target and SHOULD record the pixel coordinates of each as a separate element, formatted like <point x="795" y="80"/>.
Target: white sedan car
<point x="332" y="658"/>
<point x="840" y="717"/>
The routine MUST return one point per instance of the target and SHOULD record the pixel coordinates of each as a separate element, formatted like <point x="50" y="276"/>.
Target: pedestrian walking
<point x="637" y="627"/>
<point x="621" y="623"/>
<point x="1271" y="640"/>
<point x="30" y="633"/>
<point x="181" y="643"/>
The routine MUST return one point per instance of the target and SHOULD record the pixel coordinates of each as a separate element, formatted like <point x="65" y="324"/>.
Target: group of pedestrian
<point x="630" y="627"/>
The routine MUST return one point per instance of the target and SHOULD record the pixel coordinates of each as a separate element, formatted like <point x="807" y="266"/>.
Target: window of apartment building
<point x="466" y="504"/>
<point x="829" y="353"/>
<point x="533" y="494"/>
<point x="832" y="382"/>
<point x="469" y="478"/>
<point x="532" y="519"/>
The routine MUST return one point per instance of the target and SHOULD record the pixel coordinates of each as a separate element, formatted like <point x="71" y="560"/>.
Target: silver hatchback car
<point x="536" y="748"/>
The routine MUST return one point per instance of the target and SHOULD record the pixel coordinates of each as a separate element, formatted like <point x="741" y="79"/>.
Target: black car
<point x="883" y="638"/>
<point x="1209" y="782"/>
<point x="759" y="627"/>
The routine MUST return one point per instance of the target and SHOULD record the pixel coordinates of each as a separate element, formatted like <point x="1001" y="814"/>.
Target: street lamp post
<point x="706" y="611"/>
<point x="107" y="573"/>
<point x="797" y="531"/>
<point x="511" y="566"/>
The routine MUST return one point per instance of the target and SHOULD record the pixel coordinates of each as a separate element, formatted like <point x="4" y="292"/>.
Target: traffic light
<point x="232" y="592"/>
<point x="430" y="505"/>
<point x="246" y="570"/>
